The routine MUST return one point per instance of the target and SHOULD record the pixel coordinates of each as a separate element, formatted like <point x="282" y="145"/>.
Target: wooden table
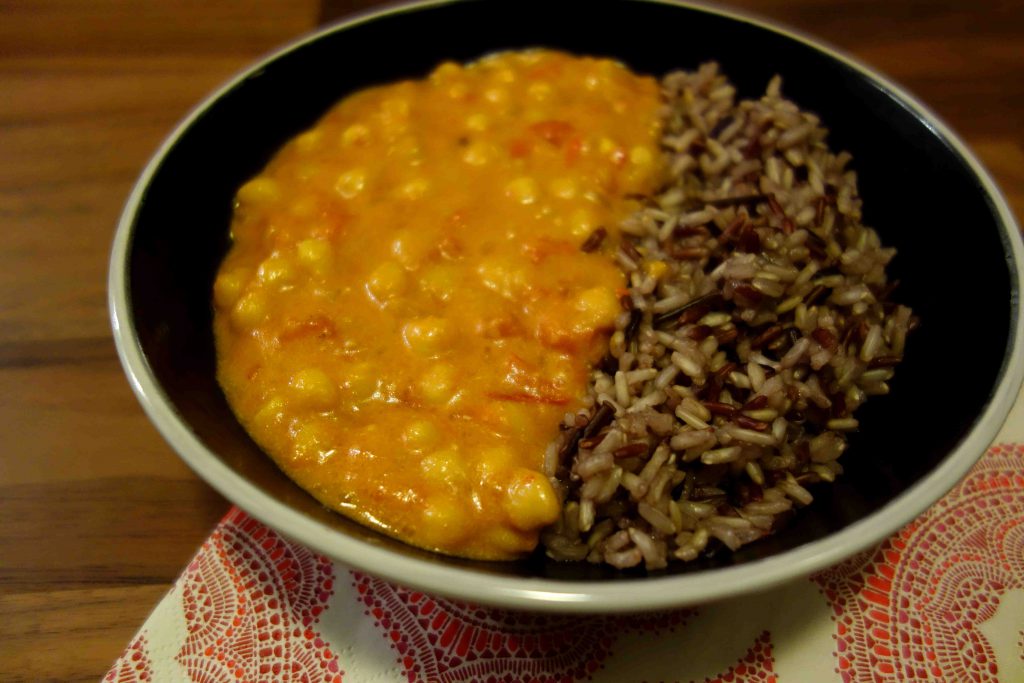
<point x="97" y="514"/>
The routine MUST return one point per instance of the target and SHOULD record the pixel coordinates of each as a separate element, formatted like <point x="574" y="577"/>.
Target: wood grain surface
<point x="97" y="515"/>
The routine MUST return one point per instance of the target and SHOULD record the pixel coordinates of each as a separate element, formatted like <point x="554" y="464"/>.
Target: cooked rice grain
<point x="733" y="375"/>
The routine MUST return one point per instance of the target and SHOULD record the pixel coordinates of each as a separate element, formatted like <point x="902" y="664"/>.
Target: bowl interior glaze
<point x="918" y="192"/>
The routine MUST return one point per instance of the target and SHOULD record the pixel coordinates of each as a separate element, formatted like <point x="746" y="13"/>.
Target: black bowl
<point x="959" y="265"/>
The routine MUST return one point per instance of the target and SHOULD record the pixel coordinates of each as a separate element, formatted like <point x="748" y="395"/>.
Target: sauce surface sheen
<point x="406" y="315"/>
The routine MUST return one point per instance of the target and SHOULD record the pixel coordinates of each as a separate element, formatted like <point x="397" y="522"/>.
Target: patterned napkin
<point x="942" y="600"/>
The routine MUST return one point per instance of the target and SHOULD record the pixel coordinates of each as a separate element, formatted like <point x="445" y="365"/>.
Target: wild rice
<point x="732" y="378"/>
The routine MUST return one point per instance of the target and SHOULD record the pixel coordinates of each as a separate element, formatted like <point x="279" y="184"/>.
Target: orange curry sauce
<point x="406" y="315"/>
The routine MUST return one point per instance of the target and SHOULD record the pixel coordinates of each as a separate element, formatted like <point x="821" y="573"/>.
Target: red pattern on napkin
<point x="755" y="667"/>
<point x="446" y="641"/>
<point x="134" y="665"/>
<point x="909" y="610"/>
<point x="251" y="602"/>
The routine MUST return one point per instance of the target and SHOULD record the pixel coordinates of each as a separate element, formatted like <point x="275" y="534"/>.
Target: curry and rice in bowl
<point x="541" y="308"/>
<point x="428" y="284"/>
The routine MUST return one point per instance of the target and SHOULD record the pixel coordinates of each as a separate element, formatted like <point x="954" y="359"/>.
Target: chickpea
<point x="361" y="381"/>
<point x="426" y="336"/>
<point x="523" y="190"/>
<point x="510" y="542"/>
<point x="351" y="183"/>
<point x="410" y="247"/>
<point x="312" y="388"/>
<point x="315" y="254"/>
<point x="356" y="134"/>
<point x="582" y="222"/>
<point x="530" y="501"/>
<point x="309" y="441"/>
<point x="597" y="307"/>
<point x="414" y="189"/>
<point x="445" y="467"/>
<point x="563" y="188"/>
<point x="445" y="72"/>
<point x="250" y="310"/>
<point x="276" y="271"/>
<point x="437" y="385"/>
<point x="259" y="190"/>
<point x="478" y="154"/>
<point x="420" y="435"/>
<point x="271" y="413"/>
<point x="641" y="156"/>
<point x="228" y="287"/>
<point x="386" y="281"/>
<point x="440" y="281"/>
<point x="477" y="122"/>
<point x="309" y="140"/>
<point x="445" y="521"/>
<point x="491" y="462"/>
<point x="496" y="95"/>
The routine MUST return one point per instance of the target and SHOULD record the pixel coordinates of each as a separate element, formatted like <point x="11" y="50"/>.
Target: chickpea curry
<point x="406" y="312"/>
